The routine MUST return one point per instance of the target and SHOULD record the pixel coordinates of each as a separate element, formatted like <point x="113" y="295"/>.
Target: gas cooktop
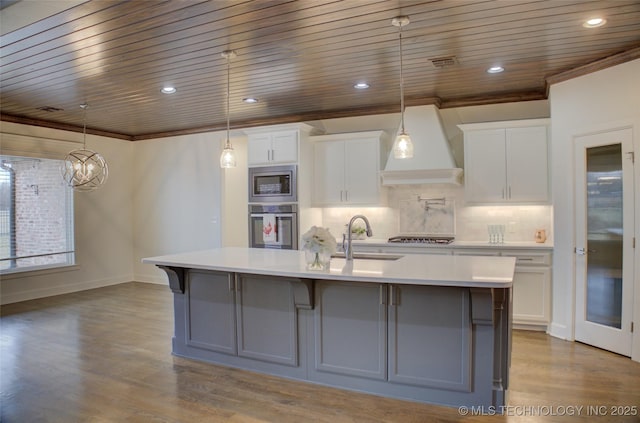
<point x="421" y="239"/>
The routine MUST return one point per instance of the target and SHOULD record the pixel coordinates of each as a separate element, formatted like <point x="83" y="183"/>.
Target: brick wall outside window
<point x="42" y="213"/>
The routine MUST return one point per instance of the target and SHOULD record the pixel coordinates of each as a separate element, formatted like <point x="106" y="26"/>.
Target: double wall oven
<point x="273" y="209"/>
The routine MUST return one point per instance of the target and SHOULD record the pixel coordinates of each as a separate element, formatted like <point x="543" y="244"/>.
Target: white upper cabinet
<point x="272" y="148"/>
<point x="506" y="162"/>
<point x="346" y="169"/>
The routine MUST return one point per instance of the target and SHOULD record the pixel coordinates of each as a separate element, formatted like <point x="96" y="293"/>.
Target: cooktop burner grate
<point x="419" y="239"/>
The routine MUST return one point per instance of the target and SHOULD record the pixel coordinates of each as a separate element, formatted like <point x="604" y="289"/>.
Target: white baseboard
<point x="50" y="291"/>
<point x="559" y="331"/>
<point x="160" y="280"/>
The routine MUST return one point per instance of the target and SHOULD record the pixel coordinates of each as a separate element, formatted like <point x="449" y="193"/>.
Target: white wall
<point x="177" y="203"/>
<point x="103" y="218"/>
<point x="235" y="191"/>
<point x="600" y="101"/>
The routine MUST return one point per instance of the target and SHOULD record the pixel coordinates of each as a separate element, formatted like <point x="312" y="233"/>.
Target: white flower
<point x="319" y="240"/>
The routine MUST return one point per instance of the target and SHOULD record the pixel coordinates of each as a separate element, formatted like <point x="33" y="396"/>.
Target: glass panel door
<point x="604" y="230"/>
<point x="604" y="235"/>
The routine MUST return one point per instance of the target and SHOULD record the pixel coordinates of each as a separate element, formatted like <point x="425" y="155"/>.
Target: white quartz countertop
<point x="412" y="269"/>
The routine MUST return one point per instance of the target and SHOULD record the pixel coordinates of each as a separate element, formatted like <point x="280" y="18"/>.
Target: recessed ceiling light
<point x="250" y="100"/>
<point x="168" y="90"/>
<point x="495" y="69"/>
<point x="361" y="86"/>
<point x="594" y="22"/>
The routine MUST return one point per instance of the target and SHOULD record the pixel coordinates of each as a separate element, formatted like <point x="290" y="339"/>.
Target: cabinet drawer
<point x="394" y="249"/>
<point x="479" y="252"/>
<point x="528" y="258"/>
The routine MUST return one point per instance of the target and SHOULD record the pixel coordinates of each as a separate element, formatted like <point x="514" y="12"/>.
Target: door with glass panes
<point x="604" y="240"/>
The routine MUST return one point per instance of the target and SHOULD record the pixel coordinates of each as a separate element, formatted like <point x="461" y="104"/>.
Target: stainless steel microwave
<point x="273" y="184"/>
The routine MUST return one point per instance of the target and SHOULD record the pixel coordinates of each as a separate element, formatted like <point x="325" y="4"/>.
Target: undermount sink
<point x="369" y="256"/>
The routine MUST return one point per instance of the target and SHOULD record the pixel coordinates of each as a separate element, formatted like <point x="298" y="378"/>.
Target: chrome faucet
<point x="348" y="250"/>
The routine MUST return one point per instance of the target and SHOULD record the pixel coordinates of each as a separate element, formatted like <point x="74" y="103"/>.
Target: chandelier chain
<point x="84" y="107"/>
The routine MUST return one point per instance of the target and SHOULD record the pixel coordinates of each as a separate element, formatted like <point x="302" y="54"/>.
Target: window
<point x="36" y="215"/>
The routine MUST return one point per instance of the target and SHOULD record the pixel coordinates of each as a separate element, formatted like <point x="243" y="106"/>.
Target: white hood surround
<point x="432" y="161"/>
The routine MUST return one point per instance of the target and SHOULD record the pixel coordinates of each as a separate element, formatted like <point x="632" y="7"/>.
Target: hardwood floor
<point x="104" y="355"/>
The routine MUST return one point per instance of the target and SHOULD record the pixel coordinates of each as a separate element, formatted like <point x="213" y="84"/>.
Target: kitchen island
<point x="419" y="327"/>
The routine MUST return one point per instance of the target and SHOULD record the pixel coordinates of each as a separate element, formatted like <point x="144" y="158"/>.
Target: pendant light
<point x="402" y="146"/>
<point x="228" y="156"/>
<point x="84" y="170"/>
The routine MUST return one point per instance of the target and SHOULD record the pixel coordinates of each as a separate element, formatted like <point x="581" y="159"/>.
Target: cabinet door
<point x="267" y="320"/>
<point x="527" y="172"/>
<point x="284" y="147"/>
<point x="531" y="295"/>
<point x="362" y="181"/>
<point x="485" y="170"/>
<point x="430" y="337"/>
<point x="350" y="329"/>
<point x="258" y="149"/>
<point x="328" y="181"/>
<point x="211" y="316"/>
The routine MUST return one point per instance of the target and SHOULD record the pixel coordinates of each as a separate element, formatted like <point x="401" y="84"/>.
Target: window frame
<point x="68" y="252"/>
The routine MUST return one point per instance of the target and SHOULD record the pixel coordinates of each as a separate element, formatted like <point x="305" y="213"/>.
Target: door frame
<point x="635" y="145"/>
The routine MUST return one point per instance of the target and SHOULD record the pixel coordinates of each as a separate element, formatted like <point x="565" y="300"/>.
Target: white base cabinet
<point x="531" y="289"/>
<point x="506" y="162"/>
<point x="347" y="169"/>
<point x="531" y="285"/>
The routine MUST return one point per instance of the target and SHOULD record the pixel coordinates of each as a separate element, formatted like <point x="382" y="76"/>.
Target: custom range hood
<point x="432" y="161"/>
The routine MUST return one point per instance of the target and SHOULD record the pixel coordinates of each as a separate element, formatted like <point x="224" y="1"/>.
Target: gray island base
<point x="358" y="326"/>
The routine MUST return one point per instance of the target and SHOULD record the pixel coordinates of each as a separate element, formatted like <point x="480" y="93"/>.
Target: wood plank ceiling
<point x="299" y="58"/>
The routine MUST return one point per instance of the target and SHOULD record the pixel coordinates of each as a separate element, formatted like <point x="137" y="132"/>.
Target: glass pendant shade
<point x="83" y="169"/>
<point x="228" y="157"/>
<point x="402" y="146"/>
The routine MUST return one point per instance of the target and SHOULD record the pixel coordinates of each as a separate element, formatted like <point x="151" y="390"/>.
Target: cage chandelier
<point x="83" y="169"/>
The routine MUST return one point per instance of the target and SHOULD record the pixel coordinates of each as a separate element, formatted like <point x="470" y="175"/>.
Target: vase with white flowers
<point x="318" y="245"/>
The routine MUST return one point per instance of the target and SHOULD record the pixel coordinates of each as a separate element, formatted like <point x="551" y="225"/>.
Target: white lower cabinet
<point x="531" y="285"/>
<point x="531" y="295"/>
<point x="531" y="288"/>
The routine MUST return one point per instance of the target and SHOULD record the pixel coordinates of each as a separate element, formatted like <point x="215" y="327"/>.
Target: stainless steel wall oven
<point x="273" y="226"/>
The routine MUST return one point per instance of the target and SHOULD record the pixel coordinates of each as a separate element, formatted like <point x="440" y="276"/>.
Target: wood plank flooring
<point x="104" y="355"/>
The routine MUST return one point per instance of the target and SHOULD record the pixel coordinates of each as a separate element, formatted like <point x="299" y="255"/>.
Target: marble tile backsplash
<point x="469" y="223"/>
<point x="383" y="220"/>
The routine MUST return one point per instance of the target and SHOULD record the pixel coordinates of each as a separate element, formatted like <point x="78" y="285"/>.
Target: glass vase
<point x="317" y="260"/>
